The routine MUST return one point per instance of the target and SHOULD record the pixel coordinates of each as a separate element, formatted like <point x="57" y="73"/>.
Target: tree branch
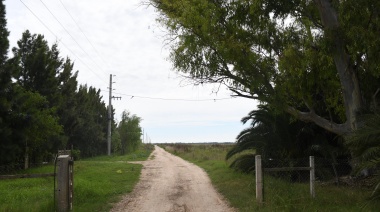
<point x="374" y="98"/>
<point x="240" y="94"/>
<point x="340" y="129"/>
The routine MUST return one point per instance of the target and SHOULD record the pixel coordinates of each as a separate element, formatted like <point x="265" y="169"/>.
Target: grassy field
<point x="279" y="195"/>
<point x="98" y="182"/>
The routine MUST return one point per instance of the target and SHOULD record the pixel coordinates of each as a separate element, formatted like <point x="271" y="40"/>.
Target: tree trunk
<point x="26" y="157"/>
<point x="347" y="76"/>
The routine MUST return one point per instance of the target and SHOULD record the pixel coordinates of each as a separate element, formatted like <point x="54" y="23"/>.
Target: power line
<point x="172" y="99"/>
<point x="70" y="35"/>
<point x="61" y="41"/>
<point x="76" y="23"/>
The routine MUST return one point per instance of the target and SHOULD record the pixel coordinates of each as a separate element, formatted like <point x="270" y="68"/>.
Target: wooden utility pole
<point x="110" y="116"/>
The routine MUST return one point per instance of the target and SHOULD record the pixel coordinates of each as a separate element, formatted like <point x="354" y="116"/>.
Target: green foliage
<point x="281" y="53"/>
<point x="5" y="81"/>
<point x="4" y="43"/>
<point x="40" y="122"/>
<point x="130" y="132"/>
<point x="41" y="107"/>
<point x="275" y="135"/>
<point x="36" y="66"/>
<point x="48" y="110"/>
<point x="116" y="141"/>
<point x="33" y="126"/>
<point x="75" y="153"/>
<point x="360" y="23"/>
<point x="89" y="132"/>
<point x="365" y="146"/>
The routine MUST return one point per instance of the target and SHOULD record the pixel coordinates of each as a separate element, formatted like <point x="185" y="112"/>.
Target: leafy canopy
<point x="313" y="59"/>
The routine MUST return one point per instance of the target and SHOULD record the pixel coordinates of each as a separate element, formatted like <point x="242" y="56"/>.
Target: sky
<point x="123" y="38"/>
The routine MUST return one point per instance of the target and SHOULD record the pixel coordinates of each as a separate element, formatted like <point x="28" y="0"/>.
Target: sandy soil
<point x="169" y="183"/>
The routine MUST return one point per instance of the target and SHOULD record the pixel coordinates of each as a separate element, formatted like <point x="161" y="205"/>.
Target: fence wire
<point x="325" y="169"/>
<point x="293" y="185"/>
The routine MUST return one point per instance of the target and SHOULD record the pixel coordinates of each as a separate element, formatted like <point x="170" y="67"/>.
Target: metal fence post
<point x="259" y="179"/>
<point x="312" y="177"/>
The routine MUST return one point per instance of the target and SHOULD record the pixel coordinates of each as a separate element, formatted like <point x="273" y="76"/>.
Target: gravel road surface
<point x="169" y="183"/>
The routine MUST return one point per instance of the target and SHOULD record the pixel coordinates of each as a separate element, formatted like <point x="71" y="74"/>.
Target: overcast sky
<point x="120" y="37"/>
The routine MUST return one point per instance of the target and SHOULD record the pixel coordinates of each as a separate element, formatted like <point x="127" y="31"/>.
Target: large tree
<point x="89" y="132"/>
<point x="5" y="90"/>
<point x="67" y="104"/>
<point x="35" y="126"/>
<point x="130" y="132"/>
<point x="4" y="43"/>
<point x="5" y="74"/>
<point x="37" y="66"/>
<point x="316" y="60"/>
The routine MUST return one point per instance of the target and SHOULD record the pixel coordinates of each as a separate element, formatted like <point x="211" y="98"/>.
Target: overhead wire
<point x="85" y="64"/>
<point x="130" y="95"/>
<point x="80" y="29"/>
<point x="171" y="99"/>
<point x="71" y="35"/>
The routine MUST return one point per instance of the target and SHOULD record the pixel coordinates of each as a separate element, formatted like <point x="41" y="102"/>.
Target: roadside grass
<point x="34" y="194"/>
<point x="98" y="183"/>
<point x="140" y="154"/>
<point x="279" y="195"/>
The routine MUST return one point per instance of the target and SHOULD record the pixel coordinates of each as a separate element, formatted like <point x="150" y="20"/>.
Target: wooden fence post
<point x="312" y="177"/>
<point x="259" y="179"/>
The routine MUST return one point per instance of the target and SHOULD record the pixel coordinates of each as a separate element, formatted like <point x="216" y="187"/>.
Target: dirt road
<point x="169" y="183"/>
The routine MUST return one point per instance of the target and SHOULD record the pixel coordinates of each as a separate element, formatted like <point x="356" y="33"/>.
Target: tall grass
<point x="279" y="195"/>
<point x="98" y="183"/>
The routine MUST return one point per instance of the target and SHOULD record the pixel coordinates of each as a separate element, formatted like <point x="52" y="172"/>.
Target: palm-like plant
<point x="364" y="144"/>
<point x="270" y="134"/>
<point x="276" y="135"/>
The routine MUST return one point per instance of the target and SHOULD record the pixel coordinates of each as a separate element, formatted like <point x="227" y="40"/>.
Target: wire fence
<point x="292" y="180"/>
<point x="325" y="169"/>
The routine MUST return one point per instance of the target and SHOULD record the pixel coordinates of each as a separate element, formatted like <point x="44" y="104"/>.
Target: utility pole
<point x="110" y="116"/>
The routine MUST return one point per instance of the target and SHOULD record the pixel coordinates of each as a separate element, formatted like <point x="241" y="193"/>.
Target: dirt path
<point x="169" y="183"/>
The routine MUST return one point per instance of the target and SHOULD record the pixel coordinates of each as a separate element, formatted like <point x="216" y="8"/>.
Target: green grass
<point x="98" y="182"/>
<point x="279" y="195"/>
<point x="26" y="194"/>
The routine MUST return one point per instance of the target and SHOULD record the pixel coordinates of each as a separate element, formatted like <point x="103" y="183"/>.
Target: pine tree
<point x="5" y="89"/>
